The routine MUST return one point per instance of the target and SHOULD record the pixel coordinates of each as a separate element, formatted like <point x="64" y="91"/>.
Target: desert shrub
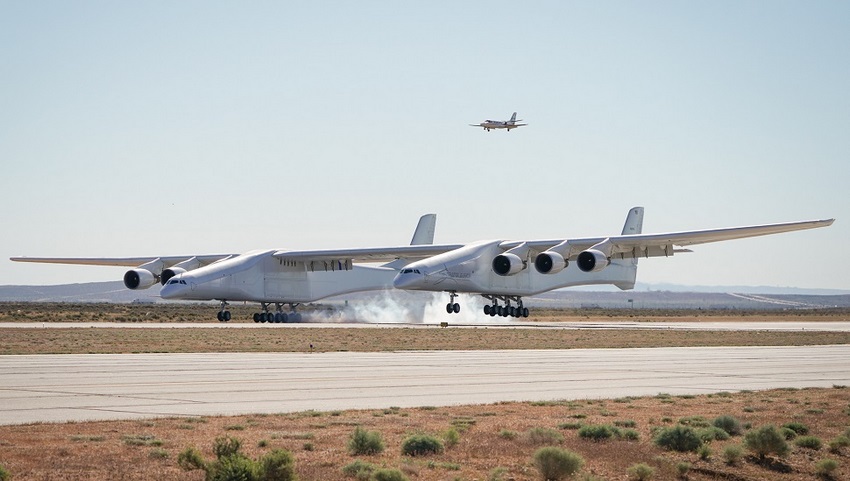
<point x="359" y="469"/>
<point x="544" y="436"/>
<point x="766" y="440"/>
<point x="452" y="437"/>
<point x="640" y="472"/>
<point x="798" y="428"/>
<point x="683" y="468"/>
<point x="226" y="446"/>
<point x="839" y="442"/>
<point x="704" y="452"/>
<point x="596" y="432"/>
<point x="556" y="463"/>
<point x="732" y="454"/>
<point x="570" y="425"/>
<point x="277" y="465"/>
<point x="233" y="468"/>
<point x="364" y="442"/>
<point x="630" y="434"/>
<point x="712" y="433"/>
<point x="4" y="474"/>
<point x="508" y="434"/>
<point x="158" y="453"/>
<point x="825" y="467"/>
<point x="678" y="438"/>
<point x="190" y="459"/>
<point x="788" y="434"/>
<point x="809" y="442"/>
<point x="625" y="423"/>
<point x="388" y="475"/>
<point x="729" y="424"/>
<point x="695" y="421"/>
<point x="420" y="445"/>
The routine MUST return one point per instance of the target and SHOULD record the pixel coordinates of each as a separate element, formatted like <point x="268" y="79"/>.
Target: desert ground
<point x="494" y="442"/>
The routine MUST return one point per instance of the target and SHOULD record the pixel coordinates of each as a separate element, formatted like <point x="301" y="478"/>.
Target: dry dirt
<point x="495" y="445"/>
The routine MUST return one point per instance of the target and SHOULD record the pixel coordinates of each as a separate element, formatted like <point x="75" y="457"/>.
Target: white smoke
<point x="405" y="307"/>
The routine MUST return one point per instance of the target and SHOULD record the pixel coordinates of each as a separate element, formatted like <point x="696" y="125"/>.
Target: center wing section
<point x="367" y="254"/>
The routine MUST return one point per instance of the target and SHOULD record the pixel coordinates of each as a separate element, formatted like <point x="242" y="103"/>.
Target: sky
<point x="201" y="127"/>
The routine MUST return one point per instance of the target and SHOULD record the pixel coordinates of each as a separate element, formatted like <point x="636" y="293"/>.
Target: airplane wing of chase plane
<point x="505" y="271"/>
<point x="271" y="277"/>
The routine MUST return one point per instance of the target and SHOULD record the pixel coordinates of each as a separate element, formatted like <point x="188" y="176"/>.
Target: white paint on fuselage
<point x="258" y="276"/>
<point x="469" y="269"/>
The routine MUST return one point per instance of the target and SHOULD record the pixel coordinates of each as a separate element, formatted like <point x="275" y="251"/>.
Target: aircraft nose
<point x="175" y="289"/>
<point x="407" y="279"/>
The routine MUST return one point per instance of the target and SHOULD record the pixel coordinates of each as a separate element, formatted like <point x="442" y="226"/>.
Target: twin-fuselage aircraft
<point x="502" y="271"/>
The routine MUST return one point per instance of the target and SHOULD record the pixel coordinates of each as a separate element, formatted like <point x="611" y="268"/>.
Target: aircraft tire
<point x="486" y="310"/>
<point x="456" y="307"/>
<point x="524" y="312"/>
<point x="512" y="311"/>
<point x="492" y="311"/>
<point x="449" y="308"/>
<point x="218" y="316"/>
<point x="226" y="316"/>
<point x="256" y="317"/>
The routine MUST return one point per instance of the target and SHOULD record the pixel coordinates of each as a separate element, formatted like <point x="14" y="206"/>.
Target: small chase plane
<point x="500" y="124"/>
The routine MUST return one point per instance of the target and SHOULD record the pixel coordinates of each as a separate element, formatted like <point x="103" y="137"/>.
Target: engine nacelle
<point x="167" y="274"/>
<point x="549" y="262"/>
<point x="139" y="279"/>
<point x="592" y="260"/>
<point x="507" y="264"/>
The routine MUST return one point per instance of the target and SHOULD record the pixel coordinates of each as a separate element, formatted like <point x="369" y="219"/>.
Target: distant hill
<point x="646" y="296"/>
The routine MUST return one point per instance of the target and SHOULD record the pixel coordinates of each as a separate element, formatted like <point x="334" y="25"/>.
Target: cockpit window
<point x="177" y="281"/>
<point x="410" y="271"/>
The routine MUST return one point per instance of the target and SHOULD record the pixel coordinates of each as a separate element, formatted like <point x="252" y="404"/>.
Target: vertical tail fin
<point x="513" y="117"/>
<point x="634" y="221"/>
<point x="424" y="233"/>
<point x="626" y="272"/>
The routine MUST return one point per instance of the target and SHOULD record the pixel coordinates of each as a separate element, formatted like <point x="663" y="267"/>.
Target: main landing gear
<point x="452" y="307"/>
<point x="278" y="316"/>
<point x="507" y="310"/>
<point x="223" y="313"/>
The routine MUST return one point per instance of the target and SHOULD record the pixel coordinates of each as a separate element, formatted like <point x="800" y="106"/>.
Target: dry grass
<point x="101" y="451"/>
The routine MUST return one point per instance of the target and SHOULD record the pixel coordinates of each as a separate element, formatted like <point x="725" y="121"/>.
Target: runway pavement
<point x="87" y="387"/>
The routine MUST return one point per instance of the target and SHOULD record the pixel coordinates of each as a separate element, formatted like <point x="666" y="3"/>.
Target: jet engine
<point x="169" y="273"/>
<point x="592" y="260"/>
<point x="549" y="262"/>
<point x="507" y="264"/>
<point x="139" y="279"/>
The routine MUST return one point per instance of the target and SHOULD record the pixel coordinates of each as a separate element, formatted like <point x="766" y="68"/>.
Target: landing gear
<point x="452" y="307"/>
<point x="278" y="316"/>
<point x="223" y="313"/>
<point x="507" y="310"/>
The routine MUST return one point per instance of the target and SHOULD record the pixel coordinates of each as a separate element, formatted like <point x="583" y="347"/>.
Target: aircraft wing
<point x="652" y="245"/>
<point x="167" y="261"/>
<point x="368" y="254"/>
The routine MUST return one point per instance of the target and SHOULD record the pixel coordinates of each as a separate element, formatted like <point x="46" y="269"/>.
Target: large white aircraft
<point x="500" y="270"/>
<point x="270" y="277"/>
<point x="500" y="124"/>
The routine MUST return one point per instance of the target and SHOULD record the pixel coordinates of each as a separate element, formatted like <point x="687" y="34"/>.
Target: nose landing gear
<point x="452" y="307"/>
<point x="223" y="313"/>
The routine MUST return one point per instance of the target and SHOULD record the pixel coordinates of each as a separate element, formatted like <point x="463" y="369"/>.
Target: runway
<point x="48" y="388"/>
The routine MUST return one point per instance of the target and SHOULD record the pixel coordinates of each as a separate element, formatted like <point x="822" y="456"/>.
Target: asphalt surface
<point x="47" y="388"/>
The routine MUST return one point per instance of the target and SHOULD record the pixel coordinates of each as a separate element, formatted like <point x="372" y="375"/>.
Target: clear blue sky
<point x="156" y="128"/>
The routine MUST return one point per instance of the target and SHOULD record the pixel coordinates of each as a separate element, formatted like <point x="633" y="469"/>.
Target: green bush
<point x="226" y="446"/>
<point x="452" y="437"/>
<point x="359" y="469"/>
<point x="732" y="454"/>
<point x="683" y="468"/>
<point x="596" y="432"/>
<point x="678" y="438"/>
<point x="388" y="475"/>
<point x="704" y="452"/>
<point x="364" y="442"/>
<point x="729" y="424"/>
<point x="809" y="442"/>
<point x="695" y="421"/>
<point x="839" y="442"/>
<point x="544" y="436"/>
<point x="278" y="465"/>
<point x="798" y="428"/>
<point x="4" y="474"/>
<point x="640" y="472"/>
<point x="556" y="463"/>
<point x="233" y="468"/>
<point x="766" y="440"/>
<point x="788" y="434"/>
<point x="712" y="434"/>
<point x="630" y="434"/>
<point x="191" y="459"/>
<point x="508" y="434"/>
<point x="420" y="445"/>
<point x="825" y="467"/>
